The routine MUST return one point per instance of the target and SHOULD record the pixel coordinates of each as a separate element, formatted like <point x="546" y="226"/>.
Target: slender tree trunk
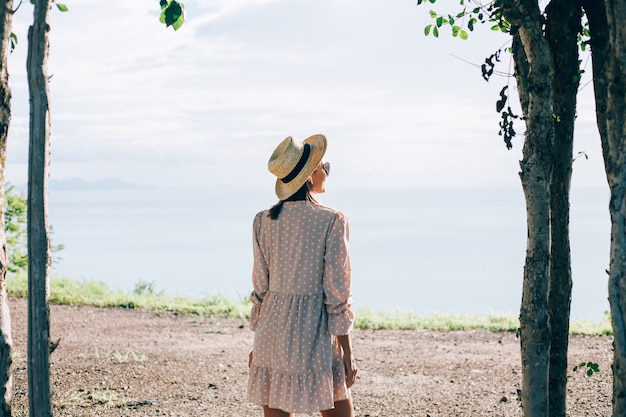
<point x="533" y="68"/>
<point x="6" y="342"/>
<point x="617" y="286"/>
<point x="38" y="239"/>
<point x="608" y="45"/>
<point x="563" y="23"/>
<point x="614" y="150"/>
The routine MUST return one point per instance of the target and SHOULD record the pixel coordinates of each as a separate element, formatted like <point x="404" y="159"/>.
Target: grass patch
<point x="70" y="292"/>
<point x="592" y="328"/>
<point x="91" y="398"/>
<point x="401" y="320"/>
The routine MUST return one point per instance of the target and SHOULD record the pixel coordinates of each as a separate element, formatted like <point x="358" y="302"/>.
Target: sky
<point x="134" y="101"/>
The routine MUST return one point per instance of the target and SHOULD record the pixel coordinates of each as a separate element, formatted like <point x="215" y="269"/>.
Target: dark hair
<point x="302" y="194"/>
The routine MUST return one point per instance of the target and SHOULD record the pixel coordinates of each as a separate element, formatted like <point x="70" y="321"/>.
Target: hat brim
<point x="318" y="149"/>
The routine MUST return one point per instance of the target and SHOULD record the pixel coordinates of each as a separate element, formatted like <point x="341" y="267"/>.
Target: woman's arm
<point x="349" y="363"/>
<point x="337" y="274"/>
<point x="260" y="273"/>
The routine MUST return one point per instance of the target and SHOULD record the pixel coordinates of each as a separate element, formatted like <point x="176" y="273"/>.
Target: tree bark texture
<point x="562" y="27"/>
<point x="38" y="238"/>
<point x="608" y="45"/>
<point x="6" y="341"/>
<point x="534" y="79"/>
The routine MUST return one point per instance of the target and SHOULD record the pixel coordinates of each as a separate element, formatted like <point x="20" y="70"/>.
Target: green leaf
<point x="172" y="14"/>
<point x="451" y="20"/>
<point x="476" y="10"/>
<point x="427" y="30"/>
<point x="470" y="24"/>
<point x="439" y="21"/>
<point x="455" y="31"/>
<point x="13" y="41"/>
<point x="495" y="27"/>
<point x="589" y="372"/>
<point x="464" y="35"/>
<point x="61" y="7"/>
<point x="433" y="14"/>
<point x="435" y="32"/>
<point x="432" y="1"/>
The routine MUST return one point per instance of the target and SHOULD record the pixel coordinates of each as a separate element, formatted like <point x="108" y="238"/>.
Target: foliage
<point x="15" y="228"/>
<point x="584" y="36"/>
<point x="590" y="366"/>
<point x="466" y="18"/>
<point x="145" y="288"/>
<point x="172" y="13"/>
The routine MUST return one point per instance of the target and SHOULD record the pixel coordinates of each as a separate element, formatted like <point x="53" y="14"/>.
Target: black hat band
<point x="296" y="170"/>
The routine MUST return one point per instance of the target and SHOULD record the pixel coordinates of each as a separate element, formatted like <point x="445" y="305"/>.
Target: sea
<point x="417" y="250"/>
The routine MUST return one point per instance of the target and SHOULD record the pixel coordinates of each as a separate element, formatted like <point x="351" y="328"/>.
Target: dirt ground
<point x="119" y="362"/>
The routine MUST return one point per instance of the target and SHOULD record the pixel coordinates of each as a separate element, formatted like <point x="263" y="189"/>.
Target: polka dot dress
<point x="301" y="300"/>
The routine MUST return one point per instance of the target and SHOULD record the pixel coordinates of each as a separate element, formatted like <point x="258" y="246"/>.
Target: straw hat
<point x="294" y="161"/>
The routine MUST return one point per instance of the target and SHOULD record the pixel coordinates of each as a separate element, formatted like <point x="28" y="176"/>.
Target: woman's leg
<point x="342" y="408"/>
<point x="274" y="412"/>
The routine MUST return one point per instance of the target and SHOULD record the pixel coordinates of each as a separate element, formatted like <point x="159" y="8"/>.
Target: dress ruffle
<point x="285" y="390"/>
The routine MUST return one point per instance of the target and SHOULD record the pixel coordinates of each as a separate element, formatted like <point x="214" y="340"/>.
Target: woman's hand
<point x="349" y="363"/>
<point x="351" y="370"/>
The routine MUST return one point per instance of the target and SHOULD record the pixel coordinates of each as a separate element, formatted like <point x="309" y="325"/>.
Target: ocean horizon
<point x="419" y="250"/>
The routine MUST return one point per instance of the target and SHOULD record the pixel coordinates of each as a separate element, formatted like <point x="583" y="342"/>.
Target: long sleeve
<point x="337" y="274"/>
<point x="260" y="274"/>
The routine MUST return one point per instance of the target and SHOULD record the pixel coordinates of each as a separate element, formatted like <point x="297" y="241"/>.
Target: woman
<point x="302" y="359"/>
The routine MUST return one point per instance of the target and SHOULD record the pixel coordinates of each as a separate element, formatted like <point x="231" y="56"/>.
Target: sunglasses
<point x="326" y="168"/>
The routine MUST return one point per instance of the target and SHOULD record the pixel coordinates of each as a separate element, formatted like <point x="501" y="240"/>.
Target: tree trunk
<point x="38" y="239"/>
<point x="533" y="68"/>
<point x="614" y="150"/>
<point x="608" y="46"/>
<point x="6" y="342"/>
<point x="563" y="23"/>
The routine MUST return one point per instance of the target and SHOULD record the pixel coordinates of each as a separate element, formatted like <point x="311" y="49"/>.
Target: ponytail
<point x="275" y="210"/>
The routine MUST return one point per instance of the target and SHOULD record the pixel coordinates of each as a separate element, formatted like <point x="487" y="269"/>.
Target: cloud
<point x="151" y="105"/>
